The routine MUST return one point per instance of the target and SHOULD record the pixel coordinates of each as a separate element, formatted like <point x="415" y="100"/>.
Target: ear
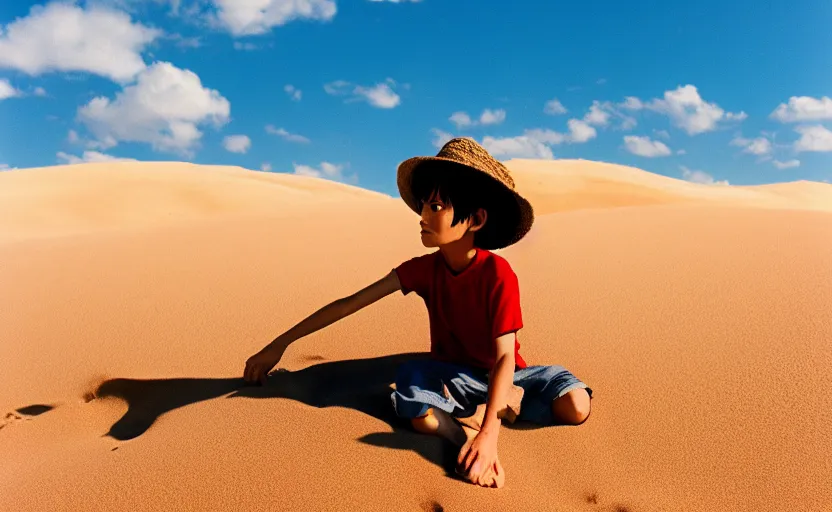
<point x="480" y="217"/>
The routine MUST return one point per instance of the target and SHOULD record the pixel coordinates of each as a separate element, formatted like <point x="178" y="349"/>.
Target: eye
<point x="435" y="204"/>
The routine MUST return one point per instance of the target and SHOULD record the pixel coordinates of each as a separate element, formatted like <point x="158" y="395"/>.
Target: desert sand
<point x="131" y="295"/>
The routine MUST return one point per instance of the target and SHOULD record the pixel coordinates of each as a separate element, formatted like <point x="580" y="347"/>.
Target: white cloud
<point x="380" y="95"/>
<point x="65" y="37"/>
<point x="488" y="117"/>
<point x="597" y="115"/>
<point x="236" y="143"/>
<point x="461" y="119"/>
<point x="554" y="107"/>
<point x="337" y="88"/>
<point x="547" y="136"/>
<point x="787" y="164"/>
<point x="601" y="112"/>
<point x="164" y="108"/>
<point x="535" y="143"/>
<point x="440" y="138"/>
<point x="803" y="108"/>
<point x="291" y="137"/>
<point x="813" y="138"/>
<point x="6" y="167"/>
<point x="294" y="93"/>
<point x="105" y="142"/>
<point x="700" y="177"/>
<point x="327" y="171"/>
<point x="522" y="146"/>
<point x="185" y="42"/>
<point x="72" y="137"/>
<point x="759" y="146"/>
<point x="259" y="16"/>
<point x="632" y="103"/>
<point x="266" y="167"/>
<point x="39" y="91"/>
<point x="681" y="152"/>
<point x="580" y="131"/>
<point x="239" y="45"/>
<point x="644" y="146"/>
<point x="686" y="108"/>
<point x="7" y="90"/>
<point x="662" y="133"/>
<point x="601" y="81"/>
<point x="90" y="156"/>
<point x="627" y="122"/>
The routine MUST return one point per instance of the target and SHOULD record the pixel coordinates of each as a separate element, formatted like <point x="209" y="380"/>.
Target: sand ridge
<point x="702" y="325"/>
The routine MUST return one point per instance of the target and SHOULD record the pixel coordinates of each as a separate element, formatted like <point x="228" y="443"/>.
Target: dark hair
<point x="457" y="186"/>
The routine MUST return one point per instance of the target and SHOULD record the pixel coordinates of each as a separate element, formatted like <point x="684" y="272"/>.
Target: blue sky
<point x="735" y="92"/>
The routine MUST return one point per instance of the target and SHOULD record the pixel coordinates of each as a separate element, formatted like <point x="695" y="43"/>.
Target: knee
<point x="427" y="424"/>
<point x="573" y="408"/>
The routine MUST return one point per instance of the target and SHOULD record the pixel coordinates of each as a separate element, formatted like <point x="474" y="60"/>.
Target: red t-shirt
<point x="469" y="310"/>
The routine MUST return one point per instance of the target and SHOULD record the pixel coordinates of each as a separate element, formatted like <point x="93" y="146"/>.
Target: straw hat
<point x="512" y="215"/>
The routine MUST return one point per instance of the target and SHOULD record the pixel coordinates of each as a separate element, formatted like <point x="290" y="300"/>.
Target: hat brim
<point x="502" y="230"/>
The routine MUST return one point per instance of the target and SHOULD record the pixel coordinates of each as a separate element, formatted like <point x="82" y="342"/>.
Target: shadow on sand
<point x="359" y="384"/>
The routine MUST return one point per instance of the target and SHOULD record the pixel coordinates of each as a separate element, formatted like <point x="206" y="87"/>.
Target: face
<point x="436" y="223"/>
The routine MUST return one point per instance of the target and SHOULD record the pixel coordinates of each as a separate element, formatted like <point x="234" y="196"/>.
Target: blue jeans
<point x="420" y="386"/>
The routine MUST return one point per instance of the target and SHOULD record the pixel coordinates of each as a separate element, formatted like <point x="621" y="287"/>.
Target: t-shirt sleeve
<point x="504" y="303"/>
<point x="415" y="275"/>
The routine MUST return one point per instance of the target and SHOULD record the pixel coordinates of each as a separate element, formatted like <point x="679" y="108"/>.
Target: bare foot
<point x="443" y="424"/>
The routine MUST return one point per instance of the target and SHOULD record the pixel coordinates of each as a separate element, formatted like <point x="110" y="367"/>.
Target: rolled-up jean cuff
<point x="419" y="404"/>
<point x="570" y="387"/>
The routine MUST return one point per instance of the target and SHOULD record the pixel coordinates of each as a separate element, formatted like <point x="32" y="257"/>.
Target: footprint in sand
<point x="25" y="414"/>
<point x="432" y="506"/>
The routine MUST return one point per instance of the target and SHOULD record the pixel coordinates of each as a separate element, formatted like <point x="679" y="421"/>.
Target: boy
<point x="475" y="375"/>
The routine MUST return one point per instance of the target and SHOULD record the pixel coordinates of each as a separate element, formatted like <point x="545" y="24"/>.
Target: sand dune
<point x="563" y="185"/>
<point x="133" y="293"/>
<point x="81" y="198"/>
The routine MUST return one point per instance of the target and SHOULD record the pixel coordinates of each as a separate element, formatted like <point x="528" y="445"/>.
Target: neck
<point x="458" y="256"/>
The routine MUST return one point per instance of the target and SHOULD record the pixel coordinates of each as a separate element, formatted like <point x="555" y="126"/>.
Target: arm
<point x="339" y="309"/>
<point x="479" y="455"/>
<point x="501" y="379"/>
<point x="261" y="363"/>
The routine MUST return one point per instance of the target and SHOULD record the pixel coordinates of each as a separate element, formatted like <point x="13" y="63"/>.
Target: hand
<point x="261" y="363"/>
<point x="478" y="458"/>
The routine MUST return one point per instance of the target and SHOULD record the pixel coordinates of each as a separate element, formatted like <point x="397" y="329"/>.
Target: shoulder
<point x="498" y="267"/>
<point x="430" y="256"/>
<point x="422" y="259"/>
<point x="416" y="273"/>
<point x="417" y="264"/>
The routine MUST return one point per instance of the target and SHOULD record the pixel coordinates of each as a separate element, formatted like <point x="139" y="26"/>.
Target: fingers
<point x="463" y="452"/>
<point x="468" y="463"/>
<point x="247" y="372"/>
<point x="479" y="475"/>
<point x="482" y="478"/>
<point x="254" y="373"/>
<point x="494" y="474"/>
<point x="489" y="477"/>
